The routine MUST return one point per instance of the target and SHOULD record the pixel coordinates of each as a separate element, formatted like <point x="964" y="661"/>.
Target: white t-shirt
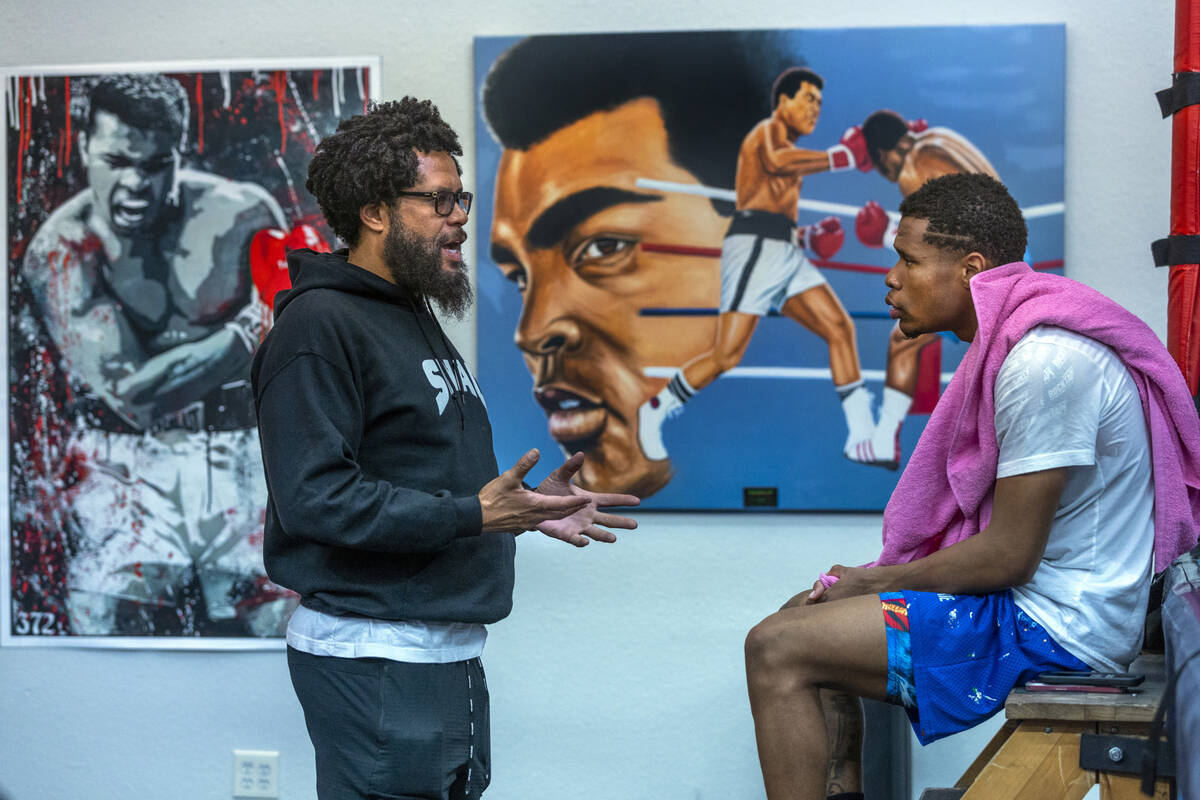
<point x="362" y="637"/>
<point x="1064" y="400"/>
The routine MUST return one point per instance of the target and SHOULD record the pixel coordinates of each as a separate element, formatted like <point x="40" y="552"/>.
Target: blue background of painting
<point x="1001" y="87"/>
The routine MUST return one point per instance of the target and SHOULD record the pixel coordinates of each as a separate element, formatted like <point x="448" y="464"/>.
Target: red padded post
<point x="1183" y="292"/>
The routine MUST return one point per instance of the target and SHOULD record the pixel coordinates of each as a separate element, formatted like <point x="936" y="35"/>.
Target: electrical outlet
<point x="256" y="773"/>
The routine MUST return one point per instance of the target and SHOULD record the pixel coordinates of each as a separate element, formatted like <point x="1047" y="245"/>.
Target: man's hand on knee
<point x="851" y="582"/>
<point x="796" y="601"/>
<point x="848" y="582"/>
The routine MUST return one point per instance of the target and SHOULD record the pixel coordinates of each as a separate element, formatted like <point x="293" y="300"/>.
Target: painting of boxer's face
<point x="584" y="245"/>
<point x="892" y="161"/>
<point x="130" y="171"/>
<point x="802" y="110"/>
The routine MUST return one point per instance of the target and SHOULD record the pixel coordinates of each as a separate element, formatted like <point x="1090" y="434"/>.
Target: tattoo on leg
<point x="844" y="723"/>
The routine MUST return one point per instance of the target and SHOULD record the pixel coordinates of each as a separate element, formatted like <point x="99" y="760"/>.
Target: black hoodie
<point x="376" y="442"/>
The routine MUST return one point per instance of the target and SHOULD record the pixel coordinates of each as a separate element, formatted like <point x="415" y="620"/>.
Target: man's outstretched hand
<point x="508" y="506"/>
<point x="583" y="525"/>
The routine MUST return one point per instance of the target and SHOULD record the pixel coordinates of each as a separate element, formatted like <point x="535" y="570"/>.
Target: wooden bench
<point x="1036" y="755"/>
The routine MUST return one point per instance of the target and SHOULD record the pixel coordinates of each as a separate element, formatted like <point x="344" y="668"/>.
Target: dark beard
<point x="417" y="269"/>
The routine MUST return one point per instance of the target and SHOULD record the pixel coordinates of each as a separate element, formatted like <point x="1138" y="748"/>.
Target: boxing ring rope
<point x="845" y="266"/>
<point x="819" y="206"/>
<point x="791" y="373"/>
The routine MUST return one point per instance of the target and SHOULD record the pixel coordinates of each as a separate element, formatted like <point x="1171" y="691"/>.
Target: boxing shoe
<point x="651" y="416"/>
<point x="886" y="446"/>
<point x="880" y="449"/>
<point x="860" y="442"/>
<point x="864" y="451"/>
<point x="883" y="448"/>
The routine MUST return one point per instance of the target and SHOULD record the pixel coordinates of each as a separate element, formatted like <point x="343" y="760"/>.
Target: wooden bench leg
<point x="985" y="755"/>
<point x="1035" y="762"/>
<point x="1124" y="786"/>
<point x="1114" y="786"/>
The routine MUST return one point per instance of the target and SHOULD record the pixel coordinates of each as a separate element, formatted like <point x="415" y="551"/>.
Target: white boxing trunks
<point x="761" y="267"/>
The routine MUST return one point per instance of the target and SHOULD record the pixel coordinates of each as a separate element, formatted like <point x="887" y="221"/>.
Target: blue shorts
<point x="953" y="659"/>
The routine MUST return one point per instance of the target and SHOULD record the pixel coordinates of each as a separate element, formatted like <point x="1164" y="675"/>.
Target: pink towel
<point x="945" y="493"/>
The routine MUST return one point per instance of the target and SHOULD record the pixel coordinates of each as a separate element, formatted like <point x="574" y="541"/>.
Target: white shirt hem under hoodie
<point x="413" y="642"/>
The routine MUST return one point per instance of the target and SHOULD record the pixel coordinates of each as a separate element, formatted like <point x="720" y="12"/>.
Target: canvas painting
<point x="685" y="239"/>
<point x="149" y="212"/>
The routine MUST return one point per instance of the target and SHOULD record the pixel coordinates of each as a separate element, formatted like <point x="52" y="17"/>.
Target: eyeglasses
<point x="444" y="202"/>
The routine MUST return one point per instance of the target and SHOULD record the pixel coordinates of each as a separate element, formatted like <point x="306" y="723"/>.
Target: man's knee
<point x="772" y="654"/>
<point x="727" y="359"/>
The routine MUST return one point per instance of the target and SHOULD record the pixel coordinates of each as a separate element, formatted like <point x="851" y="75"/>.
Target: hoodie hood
<point x="312" y="270"/>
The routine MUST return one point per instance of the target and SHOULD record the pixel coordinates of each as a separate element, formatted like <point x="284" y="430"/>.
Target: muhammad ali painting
<point x="685" y="237"/>
<point x="149" y="211"/>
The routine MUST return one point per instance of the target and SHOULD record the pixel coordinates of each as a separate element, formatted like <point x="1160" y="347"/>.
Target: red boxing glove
<point x="850" y="151"/>
<point x="917" y="125"/>
<point x="871" y="224"/>
<point x="268" y="257"/>
<point x="306" y="236"/>
<point x="268" y="264"/>
<point x="823" y="239"/>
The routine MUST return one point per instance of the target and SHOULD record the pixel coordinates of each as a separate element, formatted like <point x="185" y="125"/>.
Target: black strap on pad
<point x="1184" y="91"/>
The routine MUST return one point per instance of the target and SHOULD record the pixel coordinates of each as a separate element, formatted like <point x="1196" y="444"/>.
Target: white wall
<point x="619" y="674"/>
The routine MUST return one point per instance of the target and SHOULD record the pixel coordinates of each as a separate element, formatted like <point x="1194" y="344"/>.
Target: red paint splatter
<point x="279" y="84"/>
<point x="316" y="84"/>
<point x="62" y="146"/>
<point x="21" y="139"/>
<point x="92" y="243"/>
<point x="67" y="91"/>
<point x="200" y="112"/>
<point x="137" y="569"/>
<point x="264" y="591"/>
<point x="29" y="114"/>
<point x="50" y="475"/>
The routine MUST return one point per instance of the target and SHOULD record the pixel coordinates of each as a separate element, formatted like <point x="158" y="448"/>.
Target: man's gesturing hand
<point x="583" y="525"/>
<point x="508" y="506"/>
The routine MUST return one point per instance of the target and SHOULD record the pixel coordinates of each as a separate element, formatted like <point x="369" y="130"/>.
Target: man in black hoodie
<point x="386" y="512"/>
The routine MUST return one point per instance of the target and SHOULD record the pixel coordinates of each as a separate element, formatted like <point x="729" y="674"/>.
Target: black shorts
<point x="390" y="729"/>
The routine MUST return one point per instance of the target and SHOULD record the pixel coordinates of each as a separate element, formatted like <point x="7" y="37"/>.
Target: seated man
<point x="1062" y="461"/>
